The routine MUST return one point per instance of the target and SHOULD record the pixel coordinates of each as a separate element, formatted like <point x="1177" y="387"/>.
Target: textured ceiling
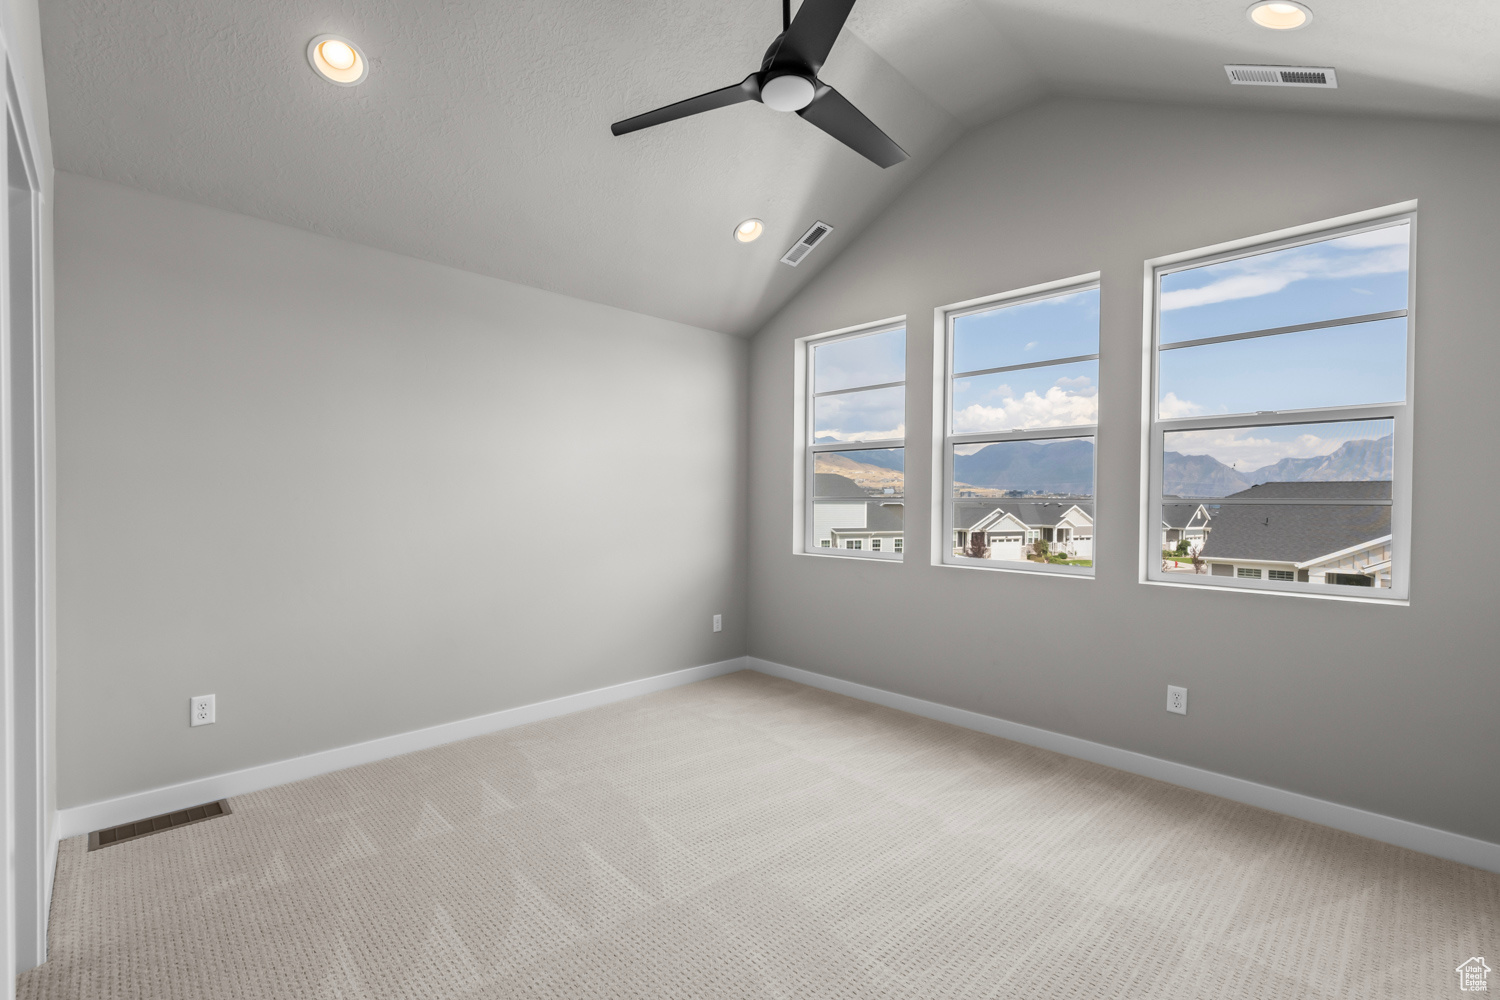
<point x="481" y="138"/>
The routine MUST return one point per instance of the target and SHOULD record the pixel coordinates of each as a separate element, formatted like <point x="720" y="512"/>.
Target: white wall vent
<point x="1283" y="76"/>
<point x="804" y="246"/>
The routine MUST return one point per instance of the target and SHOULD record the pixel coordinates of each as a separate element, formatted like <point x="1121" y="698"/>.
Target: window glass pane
<point x="868" y="415"/>
<point x="870" y="360"/>
<point x="1028" y="502"/>
<point x="1053" y="396"/>
<point x="1326" y="461"/>
<point x="1349" y="276"/>
<point x="1063" y="326"/>
<point x="857" y="501"/>
<point x="865" y="473"/>
<point x="1326" y="543"/>
<point x="1062" y="468"/>
<point x="1342" y="366"/>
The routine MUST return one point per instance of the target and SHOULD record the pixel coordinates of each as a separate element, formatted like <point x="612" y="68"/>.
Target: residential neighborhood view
<point x="1014" y="506"/>
<point x="1246" y="348"/>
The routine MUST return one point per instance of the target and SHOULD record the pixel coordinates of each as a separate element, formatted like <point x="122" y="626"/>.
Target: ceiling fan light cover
<point x="787" y="93"/>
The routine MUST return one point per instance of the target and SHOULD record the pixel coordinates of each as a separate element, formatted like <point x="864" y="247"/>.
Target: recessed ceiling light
<point x="337" y="60"/>
<point x="749" y="231"/>
<point x="1280" y="15"/>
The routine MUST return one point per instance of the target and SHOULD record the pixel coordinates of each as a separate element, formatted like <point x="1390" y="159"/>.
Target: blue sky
<point x="1362" y="363"/>
<point x="1062" y="326"/>
<point x="860" y="416"/>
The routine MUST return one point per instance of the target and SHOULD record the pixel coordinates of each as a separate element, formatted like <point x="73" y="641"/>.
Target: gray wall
<point x="355" y="494"/>
<point x="1390" y="709"/>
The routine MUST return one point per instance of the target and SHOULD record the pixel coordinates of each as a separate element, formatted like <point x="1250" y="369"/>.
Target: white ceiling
<point x="481" y="138"/>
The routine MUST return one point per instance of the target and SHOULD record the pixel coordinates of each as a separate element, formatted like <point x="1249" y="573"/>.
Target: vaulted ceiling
<point x="481" y="137"/>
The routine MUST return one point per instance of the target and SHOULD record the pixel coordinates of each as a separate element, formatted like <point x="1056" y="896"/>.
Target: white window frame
<point x="1154" y="429"/>
<point x="805" y="451"/>
<point x="944" y="438"/>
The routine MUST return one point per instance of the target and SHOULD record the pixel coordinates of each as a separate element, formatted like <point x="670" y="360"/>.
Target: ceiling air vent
<point x="1283" y="76"/>
<point x="804" y="246"/>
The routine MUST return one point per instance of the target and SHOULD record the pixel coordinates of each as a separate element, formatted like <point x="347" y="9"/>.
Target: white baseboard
<point x="1402" y="833"/>
<point x="153" y="802"/>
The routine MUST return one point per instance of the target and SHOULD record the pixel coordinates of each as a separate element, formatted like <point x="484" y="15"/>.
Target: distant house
<point x="1344" y="544"/>
<point x="1184" y="521"/>
<point x="1009" y="527"/>
<point x="848" y="516"/>
<point x="881" y="531"/>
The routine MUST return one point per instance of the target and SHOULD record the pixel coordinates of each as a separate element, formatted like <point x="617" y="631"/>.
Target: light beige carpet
<point x="750" y="837"/>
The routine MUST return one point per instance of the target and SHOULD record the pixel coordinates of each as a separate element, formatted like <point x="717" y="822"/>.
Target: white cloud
<point x="1267" y="274"/>
<point x="1068" y="402"/>
<point x="1242" y="450"/>
<point x="1170" y="407"/>
<point x="1032" y="344"/>
<point x="850" y="436"/>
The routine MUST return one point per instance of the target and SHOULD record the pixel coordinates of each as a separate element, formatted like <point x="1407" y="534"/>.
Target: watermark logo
<point x="1474" y="976"/>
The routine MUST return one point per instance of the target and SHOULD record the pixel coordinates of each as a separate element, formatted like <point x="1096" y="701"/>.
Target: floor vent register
<point x="156" y="824"/>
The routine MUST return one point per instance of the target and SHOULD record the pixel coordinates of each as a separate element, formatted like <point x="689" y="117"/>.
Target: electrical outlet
<point x="1177" y="699"/>
<point x="718" y="623"/>
<point x="201" y="710"/>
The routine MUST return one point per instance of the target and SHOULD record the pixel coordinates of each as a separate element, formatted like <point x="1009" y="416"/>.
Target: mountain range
<point x="1206" y="476"/>
<point x="1068" y="467"/>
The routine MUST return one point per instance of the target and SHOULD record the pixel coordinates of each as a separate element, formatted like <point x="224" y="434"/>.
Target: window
<point x="855" y="419"/>
<point x="1350" y="580"/>
<point x="1021" y="409"/>
<point x="1245" y="573"/>
<point x="1281" y="390"/>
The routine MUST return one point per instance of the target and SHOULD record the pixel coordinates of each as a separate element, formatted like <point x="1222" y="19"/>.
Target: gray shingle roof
<point x="884" y="516"/>
<point x="880" y="515"/>
<point x="969" y="513"/>
<point x="831" y="485"/>
<point x="1046" y="513"/>
<point x="1377" y="489"/>
<point x="1177" y="515"/>
<point x="1036" y="513"/>
<point x="1298" y="532"/>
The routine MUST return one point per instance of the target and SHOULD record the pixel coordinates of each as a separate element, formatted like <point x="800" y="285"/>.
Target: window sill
<point x="868" y="558"/>
<point x="1398" y="602"/>
<point x="1057" y="574"/>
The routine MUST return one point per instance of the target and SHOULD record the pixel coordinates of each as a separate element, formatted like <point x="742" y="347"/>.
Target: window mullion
<point x="1024" y="434"/>
<point x="1329" y="324"/>
<point x="1276" y="418"/>
<point x="881" y="445"/>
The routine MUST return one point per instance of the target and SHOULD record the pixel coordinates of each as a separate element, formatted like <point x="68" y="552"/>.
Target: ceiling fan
<point x="788" y="81"/>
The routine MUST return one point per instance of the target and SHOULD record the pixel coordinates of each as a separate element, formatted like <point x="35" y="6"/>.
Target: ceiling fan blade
<point x="812" y="34"/>
<point x="833" y="113"/>
<point x="747" y="89"/>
